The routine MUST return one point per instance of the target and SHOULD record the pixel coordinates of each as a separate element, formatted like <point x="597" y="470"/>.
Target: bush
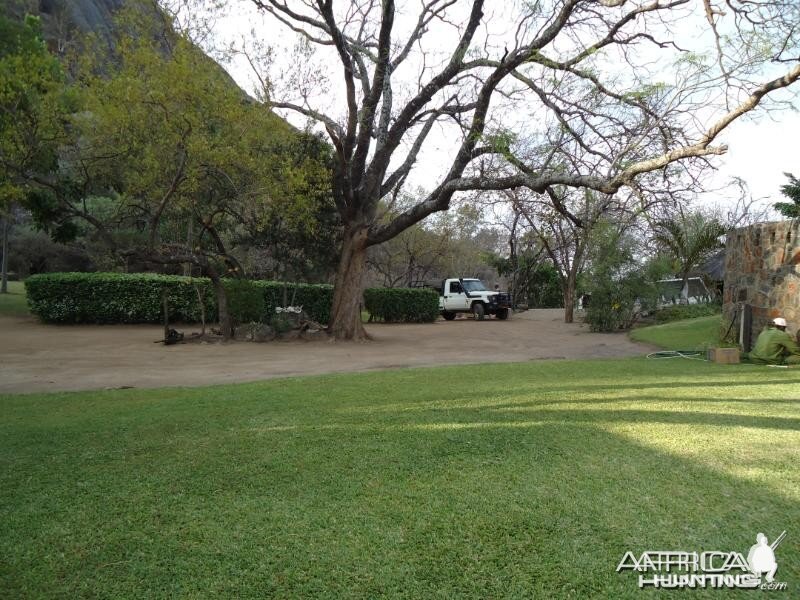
<point x="402" y="305"/>
<point x="245" y="301"/>
<point x="686" y="311"/>
<point x="136" y="298"/>
<point x="621" y="288"/>
<point x="115" y="297"/>
<point x="316" y="299"/>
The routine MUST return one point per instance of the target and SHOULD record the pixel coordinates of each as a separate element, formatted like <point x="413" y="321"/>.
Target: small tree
<point x="792" y="191"/>
<point x="623" y="286"/>
<point x="564" y="221"/>
<point x="689" y="240"/>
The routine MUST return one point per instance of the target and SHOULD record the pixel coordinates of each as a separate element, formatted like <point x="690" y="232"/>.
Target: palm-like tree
<point x="792" y="191"/>
<point x="689" y="240"/>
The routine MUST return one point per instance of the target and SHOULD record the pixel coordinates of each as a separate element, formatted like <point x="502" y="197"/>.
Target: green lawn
<point x="516" y="480"/>
<point x="690" y="334"/>
<point x="13" y="304"/>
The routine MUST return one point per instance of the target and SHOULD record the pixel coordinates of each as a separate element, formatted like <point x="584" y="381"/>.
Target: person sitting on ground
<point x="775" y="346"/>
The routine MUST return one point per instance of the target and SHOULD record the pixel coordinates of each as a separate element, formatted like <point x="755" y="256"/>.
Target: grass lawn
<point x="13" y="304"/>
<point x="515" y="480"/>
<point x="690" y="334"/>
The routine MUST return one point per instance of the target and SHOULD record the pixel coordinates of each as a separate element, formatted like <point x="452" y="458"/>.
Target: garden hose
<point x="690" y="354"/>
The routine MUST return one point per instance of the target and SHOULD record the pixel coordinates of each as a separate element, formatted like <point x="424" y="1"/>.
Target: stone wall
<point x="762" y="269"/>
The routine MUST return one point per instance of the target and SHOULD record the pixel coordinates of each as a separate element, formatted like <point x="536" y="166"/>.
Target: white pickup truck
<point x="470" y="295"/>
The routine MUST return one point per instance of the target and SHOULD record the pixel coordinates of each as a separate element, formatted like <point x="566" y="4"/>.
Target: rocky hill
<point x="63" y="20"/>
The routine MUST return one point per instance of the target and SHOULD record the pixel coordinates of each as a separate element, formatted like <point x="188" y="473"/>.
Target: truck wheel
<point x="502" y="314"/>
<point x="478" y="310"/>
<point x="449" y="316"/>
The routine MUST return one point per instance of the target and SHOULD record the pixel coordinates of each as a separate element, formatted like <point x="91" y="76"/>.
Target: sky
<point x="761" y="148"/>
<point x="761" y="152"/>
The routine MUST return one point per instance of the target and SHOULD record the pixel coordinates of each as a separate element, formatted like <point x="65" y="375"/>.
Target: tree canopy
<point x="160" y="155"/>
<point x="545" y="94"/>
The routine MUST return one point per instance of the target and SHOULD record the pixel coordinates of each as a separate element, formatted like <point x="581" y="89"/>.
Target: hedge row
<point x="137" y="298"/>
<point x="116" y="297"/>
<point x="679" y="312"/>
<point x="402" y="305"/>
<point x="316" y="299"/>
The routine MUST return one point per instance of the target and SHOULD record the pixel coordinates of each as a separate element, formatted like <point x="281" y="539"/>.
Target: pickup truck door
<point x="454" y="296"/>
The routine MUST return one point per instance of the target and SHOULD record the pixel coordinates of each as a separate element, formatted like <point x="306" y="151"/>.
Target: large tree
<point x="188" y="163"/>
<point x="568" y="74"/>
<point x="168" y="163"/>
<point x="32" y="106"/>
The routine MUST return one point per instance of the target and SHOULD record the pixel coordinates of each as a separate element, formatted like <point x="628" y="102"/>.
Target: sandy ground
<point x="36" y="357"/>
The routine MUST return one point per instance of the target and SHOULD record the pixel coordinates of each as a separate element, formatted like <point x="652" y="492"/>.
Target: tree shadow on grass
<point x="535" y="510"/>
<point x="577" y="387"/>
<point x="467" y="505"/>
<point x="660" y="416"/>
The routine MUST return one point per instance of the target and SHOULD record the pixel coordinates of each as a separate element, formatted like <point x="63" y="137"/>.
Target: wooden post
<point x="4" y="268"/>
<point x="165" y="304"/>
<point x="746" y="333"/>
<point x="202" y="309"/>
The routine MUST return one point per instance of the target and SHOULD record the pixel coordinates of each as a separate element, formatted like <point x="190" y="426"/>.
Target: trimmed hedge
<point x="116" y="297"/>
<point x="109" y="298"/>
<point x="402" y="305"/>
<point x="315" y="298"/>
<point x="245" y="301"/>
<point x="679" y="312"/>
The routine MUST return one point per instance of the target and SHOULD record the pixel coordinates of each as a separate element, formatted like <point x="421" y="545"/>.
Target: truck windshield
<point x="474" y="285"/>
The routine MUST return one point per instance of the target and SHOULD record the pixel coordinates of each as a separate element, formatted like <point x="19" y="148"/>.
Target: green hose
<point x="691" y="354"/>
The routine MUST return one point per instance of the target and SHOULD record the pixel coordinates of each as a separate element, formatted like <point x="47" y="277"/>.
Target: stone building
<point x="762" y="271"/>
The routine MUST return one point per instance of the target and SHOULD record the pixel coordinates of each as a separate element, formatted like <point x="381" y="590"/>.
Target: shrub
<point x="115" y="297"/>
<point x="316" y="299"/>
<point x="281" y="323"/>
<point x="686" y="311"/>
<point x="245" y="301"/>
<point x="402" y="305"/>
<point x="621" y="288"/>
<point x="136" y="298"/>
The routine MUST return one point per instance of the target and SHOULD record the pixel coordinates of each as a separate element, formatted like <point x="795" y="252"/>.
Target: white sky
<point x="761" y="148"/>
<point x="761" y="152"/>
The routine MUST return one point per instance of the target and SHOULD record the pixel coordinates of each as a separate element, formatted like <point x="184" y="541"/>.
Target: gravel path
<point x="36" y="357"/>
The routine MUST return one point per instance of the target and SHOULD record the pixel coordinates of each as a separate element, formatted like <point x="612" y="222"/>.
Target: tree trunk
<point x="345" y="322"/>
<point x="570" y="283"/>
<point x="225" y="324"/>
<point x="202" y="305"/>
<point x="685" y="289"/>
<point x="4" y="268"/>
<point x="569" y="300"/>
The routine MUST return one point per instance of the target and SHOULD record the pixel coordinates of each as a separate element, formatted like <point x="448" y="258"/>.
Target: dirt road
<point x="36" y="357"/>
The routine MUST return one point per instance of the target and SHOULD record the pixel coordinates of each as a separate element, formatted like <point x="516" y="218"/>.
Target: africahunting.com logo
<point x="674" y="569"/>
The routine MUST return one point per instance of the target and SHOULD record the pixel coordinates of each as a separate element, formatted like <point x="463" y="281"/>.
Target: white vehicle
<point x="471" y="296"/>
